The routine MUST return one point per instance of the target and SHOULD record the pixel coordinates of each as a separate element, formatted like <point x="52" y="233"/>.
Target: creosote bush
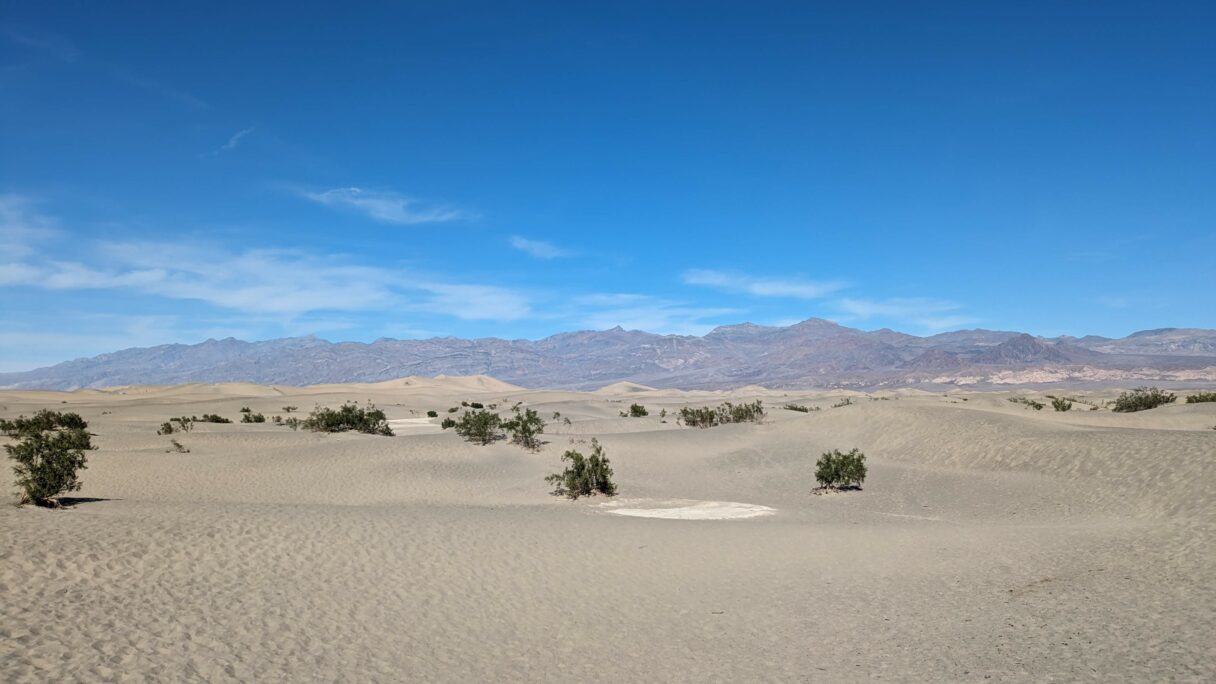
<point x="727" y="412"/>
<point x="480" y="426"/>
<point x="253" y="418"/>
<point x="289" y="409"/>
<point x="525" y="428"/>
<point x="1201" y="397"/>
<point x="49" y="452"/>
<point x="432" y="414"/>
<point x="1030" y="403"/>
<point x="835" y="470"/>
<point x="1061" y="404"/>
<point x="585" y="475"/>
<point x="347" y="418"/>
<point x="447" y="423"/>
<point x="635" y="411"/>
<point x="182" y="424"/>
<point x="847" y="401"/>
<point x="1142" y="399"/>
<point x="800" y="408"/>
<point x="212" y="418"/>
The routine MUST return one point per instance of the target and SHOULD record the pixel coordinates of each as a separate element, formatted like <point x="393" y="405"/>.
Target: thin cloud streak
<point x="233" y="141"/>
<point x="537" y="248"/>
<point x="383" y="206"/>
<point x="791" y="288"/>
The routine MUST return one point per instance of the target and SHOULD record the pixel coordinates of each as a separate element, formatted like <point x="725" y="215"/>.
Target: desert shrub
<point x="636" y="411"/>
<point x="348" y="417"/>
<point x="293" y="423"/>
<point x="525" y="428"/>
<point x="166" y="428"/>
<point x="476" y="405"/>
<point x="289" y="409"/>
<point x="1029" y="403"/>
<point x="835" y="470"/>
<point x="246" y="409"/>
<point x="566" y="421"/>
<point x="212" y="418"/>
<point x="662" y="413"/>
<point x="479" y="426"/>
<point x="584" y="476"/>
<point x="1201" y="397"/>
<point x="253" y="418"/>
<point x="447" y="423"/>
<point x="557" y="415"/>
<point x="432" y="414"/>
<point x="277" y="420"/>
<point x="847" y="401"/>
<point x="1142" y="399"/>
<point x="49" y="453"/>
<point x="182" y="424"/>
<point x="177" y="446"/>
<point x="727" y="412"/>
<point x="464" y="403"/>
<point x="454" y="409"/>
<point x="800" y="408"/>
<point x="1061" y="404"/>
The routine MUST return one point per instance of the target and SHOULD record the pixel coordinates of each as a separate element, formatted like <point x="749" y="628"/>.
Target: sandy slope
<point x="990" y="541"/>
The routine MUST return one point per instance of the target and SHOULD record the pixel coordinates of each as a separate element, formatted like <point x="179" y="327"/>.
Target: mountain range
<point x="813" y="353"/>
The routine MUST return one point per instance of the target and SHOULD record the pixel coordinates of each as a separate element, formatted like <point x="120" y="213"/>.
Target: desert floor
<point x="991" y="542"/>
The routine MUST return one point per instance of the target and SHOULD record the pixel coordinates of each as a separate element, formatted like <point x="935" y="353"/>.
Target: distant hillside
<point x="813" y="353"/>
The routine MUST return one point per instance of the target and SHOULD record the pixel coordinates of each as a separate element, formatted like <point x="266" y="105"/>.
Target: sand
<point x="990" y="543"/>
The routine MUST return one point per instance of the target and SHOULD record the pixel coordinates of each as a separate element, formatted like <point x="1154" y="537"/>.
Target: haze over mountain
<point x="813" y="353"/>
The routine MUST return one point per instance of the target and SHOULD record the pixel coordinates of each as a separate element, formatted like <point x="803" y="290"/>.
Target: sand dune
<point x="990" y="541"/>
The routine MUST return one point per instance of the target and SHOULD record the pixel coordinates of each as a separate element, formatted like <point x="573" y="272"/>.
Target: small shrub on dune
<point x="1142" y="399"/>
<point x="1061" y="404"/>
<point x="835" y="470"/>
<point x="182" y="424"/>
<point x="253" y="418"/>
<point x="289" y="409"/>
<point x="847" y="401"/>
<point x="348" y="418"/>
<point x="480" y="427"/>
<point x="727" y="412"/>
<point x="476" y="405"/>
<point x="432" y="414"/>
<point x="525" y="428"/>
<point x="585" y="475"/>
<point x="293" y="423"/>
<point x="800" y="408"/>
<point x="635" y="411"/>
<point x="177" y="446"/>
<point x="447" y="423"/>
<point x="49" y="453"/>
<point x="212" y="418"/>
<point x="1201" y="397"/>
<point x="246" y="409"/>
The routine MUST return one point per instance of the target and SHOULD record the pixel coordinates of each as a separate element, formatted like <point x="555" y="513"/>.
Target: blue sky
<point x="171" y="172"/>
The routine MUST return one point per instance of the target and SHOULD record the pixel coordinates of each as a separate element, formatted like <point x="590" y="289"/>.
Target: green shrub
<point x="182" y="424"/>
<point x="727" y="412"/>
<point x="835" y="470"/>
<point x="1142" y="399"/>
<point x="289" y="409"/>
<point x="49" y="452"/>
<point x="847" y="401"/>
<point x="277" y="420"/>
<point x="245" y="409"/>
<point x="212" y="418"/>
<point x="479" y="426"/>
<point x="177" y="446"/>
<point x="525" y="428"/>
<point x="1201" y="398"/>
<point x="166" y="428"/>
<point x="635" y="411"/>
<point x="800" y="408"/>
<point x="253" y="418"/>
<point x="454" y="409"/>
<point x="585" y="475"/>
<point x="447" y="423"/>
<point x="293" y="423"/>
<point x="348" y="417"/>
<point x="476" y="405"/>
<point x="1030" y="403"/>
<point x="432" y="414"/>
<point x="1061" y="404"/>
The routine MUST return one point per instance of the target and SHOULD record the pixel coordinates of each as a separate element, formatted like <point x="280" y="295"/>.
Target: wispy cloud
<point x="932" y="314"/>
<point x="384" y="206"/>
<point x="652" y="314"/>
<point x="537" y="248"/>
<point x="22" y="227"/>
<point x="477" y="302"/>
<point x="791" y="288"/>
<point x="233" y="141"/>
<point x="55" y="45"/>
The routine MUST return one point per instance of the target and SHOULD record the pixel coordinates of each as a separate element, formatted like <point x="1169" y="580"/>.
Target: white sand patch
<point x="684" y="509"/>
<point x="413" y="425"/>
